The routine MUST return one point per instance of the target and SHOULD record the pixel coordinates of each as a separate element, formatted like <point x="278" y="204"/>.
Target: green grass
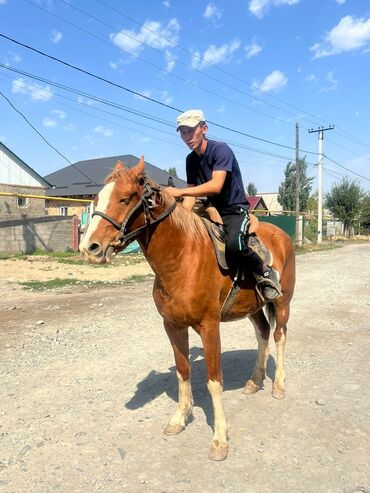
<point x="62" y="283"/>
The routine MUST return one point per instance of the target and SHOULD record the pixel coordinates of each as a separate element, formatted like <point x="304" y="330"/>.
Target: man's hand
<point x="174" y="192"/>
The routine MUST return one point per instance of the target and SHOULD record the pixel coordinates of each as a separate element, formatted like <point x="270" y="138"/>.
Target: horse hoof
<point x="173" y="429"/>
<point x="218" y="451"/>
<point x="278" y="393"/>
<point x="250" y="388"/>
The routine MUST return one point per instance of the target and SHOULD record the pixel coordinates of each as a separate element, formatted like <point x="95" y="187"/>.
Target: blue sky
<point x="255" y="67"/>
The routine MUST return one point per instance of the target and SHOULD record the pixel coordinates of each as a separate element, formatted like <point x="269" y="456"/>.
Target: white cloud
<point x="260" y="7"/>
<point x="273" y="82"/>
<point x="11" y="58"/>
<point x="107" y="132"/>
<point x="214" y="55"/>
<point x="331" y="82"/>
<point x="341" y="2"/>
<point x="152" y="33"/>
<point x="56" y="36"/>
<point x="349" y="34"/>
<point x="60" y="114"/>
<point x="86" y="101"/>
<point x="69" y="127"/>
<point x="2" y="2"/>
<point x="212" y="12"/>
<point x="252" y="49"/>
<point x="163" y="96"/>
<point x="36" y="92"/>
<point x="166" y="3"/>
<point x="48" y="122"/>
<point x="171" y="62"/>
<point x="311" y="78"/>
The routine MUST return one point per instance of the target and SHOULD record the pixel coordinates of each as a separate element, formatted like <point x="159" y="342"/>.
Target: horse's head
<point x="120" y="209"/>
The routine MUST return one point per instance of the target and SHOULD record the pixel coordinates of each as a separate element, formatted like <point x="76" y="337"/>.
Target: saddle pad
<point x="215" y="234"/>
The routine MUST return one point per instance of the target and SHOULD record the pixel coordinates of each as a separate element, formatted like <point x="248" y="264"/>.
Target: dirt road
<point x="88" y="384"/>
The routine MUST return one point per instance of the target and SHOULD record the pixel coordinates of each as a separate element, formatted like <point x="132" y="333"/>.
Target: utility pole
<point x="320" y="132"/>
<point x="298" y="238"/>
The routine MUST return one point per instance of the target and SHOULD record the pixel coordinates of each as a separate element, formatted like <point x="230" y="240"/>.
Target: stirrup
<point x="268" y="289"/>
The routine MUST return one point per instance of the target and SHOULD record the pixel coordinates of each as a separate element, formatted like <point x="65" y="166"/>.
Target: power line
<point x="341" y="165"/>
<point x="34" y="128"/>
<point x="265" y="93"/>
<point x="90" y="74"/>
<point x="44" y="139"/>
<point x="176" y="45"/>
<point x="186" y="81"/>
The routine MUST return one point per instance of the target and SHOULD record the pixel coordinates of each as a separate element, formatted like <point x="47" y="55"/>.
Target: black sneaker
<point x="269" y="285"/>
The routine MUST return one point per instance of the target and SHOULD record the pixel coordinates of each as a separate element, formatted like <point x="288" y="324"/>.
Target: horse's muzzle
<point x="94" y="253"/>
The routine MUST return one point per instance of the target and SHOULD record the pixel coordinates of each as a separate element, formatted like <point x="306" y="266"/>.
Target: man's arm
<point x="211" y="187"/>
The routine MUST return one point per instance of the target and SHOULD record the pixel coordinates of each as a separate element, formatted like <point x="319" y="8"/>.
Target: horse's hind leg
<point x="282" y="315"/>
<point x="179" y="338"/>
<point x="262" y="329"/>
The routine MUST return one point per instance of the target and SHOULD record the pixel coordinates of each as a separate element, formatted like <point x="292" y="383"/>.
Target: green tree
<point x="365" y="213"/>
<point x="287" y="189"/>
<point x="172" y="171"/>
<point x="345" y="202"/>
<point x="251" y="189"/>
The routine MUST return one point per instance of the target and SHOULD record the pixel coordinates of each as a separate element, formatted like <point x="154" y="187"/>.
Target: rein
<point x="147" y="203"/>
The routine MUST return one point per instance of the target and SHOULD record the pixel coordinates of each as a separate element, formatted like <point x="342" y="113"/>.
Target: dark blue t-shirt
<point x="218" y="157"/>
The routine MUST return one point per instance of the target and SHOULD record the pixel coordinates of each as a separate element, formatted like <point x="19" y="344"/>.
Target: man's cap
<point x="190" y="118"/>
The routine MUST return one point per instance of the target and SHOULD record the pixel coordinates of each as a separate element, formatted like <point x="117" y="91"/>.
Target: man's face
<point x="193" y="136"/>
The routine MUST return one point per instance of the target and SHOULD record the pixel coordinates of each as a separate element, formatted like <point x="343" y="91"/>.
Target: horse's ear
<point x="119" y="166"/>
<point x="139" y="168"/>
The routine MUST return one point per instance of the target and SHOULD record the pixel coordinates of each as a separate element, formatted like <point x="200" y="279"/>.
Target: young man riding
<point x="212" y="171"/>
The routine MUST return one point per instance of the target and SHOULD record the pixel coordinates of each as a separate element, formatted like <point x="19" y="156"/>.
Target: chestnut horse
<point x="189" y="287"/>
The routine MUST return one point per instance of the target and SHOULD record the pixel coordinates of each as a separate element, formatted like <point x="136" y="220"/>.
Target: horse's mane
<point x="183" y="219"/>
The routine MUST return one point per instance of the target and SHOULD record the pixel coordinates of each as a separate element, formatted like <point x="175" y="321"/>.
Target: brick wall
<point x="25" y="234"/>
<point x="32" y="207"/>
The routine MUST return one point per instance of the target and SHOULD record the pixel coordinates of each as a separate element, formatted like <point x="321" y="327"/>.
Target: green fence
<point x="286" y="223"/>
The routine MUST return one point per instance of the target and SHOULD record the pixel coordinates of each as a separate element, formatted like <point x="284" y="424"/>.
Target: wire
<point x="45" y="140"/>
<point x="144" y="96"/>
<point x="347" y="169"/>
<point x="186" y="81"/>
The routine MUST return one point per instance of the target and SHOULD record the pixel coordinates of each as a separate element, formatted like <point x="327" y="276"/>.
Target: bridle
<point x="146" y="202"/>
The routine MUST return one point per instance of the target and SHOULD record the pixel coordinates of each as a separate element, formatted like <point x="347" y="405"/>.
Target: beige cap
<point x="190" y="118"/>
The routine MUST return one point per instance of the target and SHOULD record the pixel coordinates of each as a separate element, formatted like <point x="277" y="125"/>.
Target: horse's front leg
<point x="210" y="334"/>
<point x="179" y="338"/>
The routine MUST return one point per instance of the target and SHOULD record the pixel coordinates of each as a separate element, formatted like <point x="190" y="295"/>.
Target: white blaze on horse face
<point x="102" y="206"/>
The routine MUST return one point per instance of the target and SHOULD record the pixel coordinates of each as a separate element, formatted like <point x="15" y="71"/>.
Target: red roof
<point x="256" y="202"/>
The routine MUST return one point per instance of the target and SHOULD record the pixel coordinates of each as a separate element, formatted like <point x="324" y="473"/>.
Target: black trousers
<point x="235" y="223"/>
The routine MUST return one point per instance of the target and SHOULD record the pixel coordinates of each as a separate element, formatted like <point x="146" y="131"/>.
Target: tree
<point x="287" y="189"/>
<point x="365" y="212"/>
<point x="345" y="202"/>
<point x="251" y="189"/>
<point x="172" y="171"/>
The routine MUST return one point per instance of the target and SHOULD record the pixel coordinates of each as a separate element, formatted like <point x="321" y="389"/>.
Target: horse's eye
<point x="125" y="200"/>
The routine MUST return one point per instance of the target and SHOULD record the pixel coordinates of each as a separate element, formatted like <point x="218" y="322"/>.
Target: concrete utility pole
<point x="298" y="229"/>
<point x="320" y="132"/>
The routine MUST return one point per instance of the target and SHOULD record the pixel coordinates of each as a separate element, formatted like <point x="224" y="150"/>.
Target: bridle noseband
<point x="146" y="202"/>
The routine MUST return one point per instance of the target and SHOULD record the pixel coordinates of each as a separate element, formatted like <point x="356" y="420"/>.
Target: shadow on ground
<point x="237" y="367"/>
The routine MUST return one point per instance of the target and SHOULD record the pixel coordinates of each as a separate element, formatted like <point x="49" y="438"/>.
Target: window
<point x="63" y="210"/>
<point x="22" y="202"/>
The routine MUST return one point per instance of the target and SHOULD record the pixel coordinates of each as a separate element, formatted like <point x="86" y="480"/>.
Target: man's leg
<point x="237" y="243"/>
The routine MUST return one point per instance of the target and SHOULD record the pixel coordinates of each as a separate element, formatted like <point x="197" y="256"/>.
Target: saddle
<point x="214" y="225"/>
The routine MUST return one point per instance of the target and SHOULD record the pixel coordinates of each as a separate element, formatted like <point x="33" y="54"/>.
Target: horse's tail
<point x="270" y="312"/>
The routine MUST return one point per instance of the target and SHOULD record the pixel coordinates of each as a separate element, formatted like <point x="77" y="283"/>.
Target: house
<point x="257" y="204"/>
<point x="16" y="177"/>
<point x="24" y="225"/>
<point x="84" y="179"/>
<point x="272" y="203"/>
